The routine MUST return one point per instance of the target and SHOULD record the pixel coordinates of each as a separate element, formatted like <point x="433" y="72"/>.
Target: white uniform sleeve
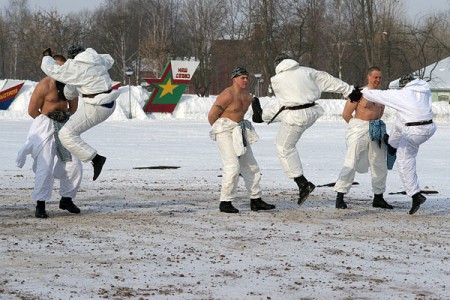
<point x="66" y="73"/>
<point x="70" y="92"/>
<point x="328" y="83"/>
<point x="391" y="98"/>
<point x="108" y="61"/>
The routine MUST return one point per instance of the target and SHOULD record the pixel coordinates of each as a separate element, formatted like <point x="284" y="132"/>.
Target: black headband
<point x="238" y="72"/>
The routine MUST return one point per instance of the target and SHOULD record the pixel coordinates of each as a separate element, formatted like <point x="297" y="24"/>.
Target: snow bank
<point x="190" y="107"/>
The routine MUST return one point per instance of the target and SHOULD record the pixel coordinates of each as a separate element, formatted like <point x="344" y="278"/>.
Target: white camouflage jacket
<point x="296" y="85"/>
<point x="87" y="73"/>
<point x="413" y="103"/>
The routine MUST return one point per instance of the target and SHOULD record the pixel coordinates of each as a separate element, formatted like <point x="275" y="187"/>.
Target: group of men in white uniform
<point x="56" y="128"/>
<point x="296" y="89"/>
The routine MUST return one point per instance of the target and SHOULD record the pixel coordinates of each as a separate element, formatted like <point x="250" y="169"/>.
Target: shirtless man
<point x="45" y="97"/>
<point x="50" y="109"/>
<point x="234" y="136"/>
<point x="362" y="151"/>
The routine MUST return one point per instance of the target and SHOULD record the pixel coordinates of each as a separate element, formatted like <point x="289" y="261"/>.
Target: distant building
<point x="226" y="54"/>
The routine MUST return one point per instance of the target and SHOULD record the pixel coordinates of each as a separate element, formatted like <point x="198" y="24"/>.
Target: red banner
<point x="7" y="96"/>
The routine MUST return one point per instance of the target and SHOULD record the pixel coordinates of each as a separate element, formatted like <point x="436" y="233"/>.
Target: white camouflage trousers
<point x="233" y="165"/>
<point x="46" y="164"/>
<point x="286" y="141"/>
<point x="69" y="174"/>
<point x="407" y="140"/>
<point x="362" y="153"/>
<point x="86" y="117"/>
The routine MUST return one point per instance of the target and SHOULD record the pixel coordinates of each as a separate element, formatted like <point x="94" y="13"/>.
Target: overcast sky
<point x="62" y="6"/>
<point x="413" y="8"/>
<point x="422" y="7"/>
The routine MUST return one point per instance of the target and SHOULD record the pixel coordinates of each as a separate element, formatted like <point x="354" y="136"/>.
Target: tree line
<point x="342" y="37"/>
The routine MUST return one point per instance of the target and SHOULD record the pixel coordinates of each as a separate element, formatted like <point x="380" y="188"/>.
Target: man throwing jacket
<point x="297" y="88"/>
<point x="413" y="126"/>
<point x="86" y="71"/>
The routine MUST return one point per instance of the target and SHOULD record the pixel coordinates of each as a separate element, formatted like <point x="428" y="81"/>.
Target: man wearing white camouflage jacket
<point x="413" y="126"/>
<point x="297" y="88"/>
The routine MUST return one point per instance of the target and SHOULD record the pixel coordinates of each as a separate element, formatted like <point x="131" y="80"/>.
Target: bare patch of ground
<point x="141" y="238"/>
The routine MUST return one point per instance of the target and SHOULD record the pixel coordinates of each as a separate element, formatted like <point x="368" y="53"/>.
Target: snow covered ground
<point x="148" y="233"/>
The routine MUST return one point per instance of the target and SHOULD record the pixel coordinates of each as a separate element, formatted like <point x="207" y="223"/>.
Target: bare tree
<point x="264" y="40"/>
<point x="342" y="37"/>
<point x="290" y="30"/>
<point x="156" y="44"/>
<point x="426" y="45"/>
<point x="115" y="22"/>
<point x="16" y="15"/>
<point x="3" y="45"/>
<point x="47" y="29"/>
<point x="204" y="20"/>
<point x="235" y="21"/>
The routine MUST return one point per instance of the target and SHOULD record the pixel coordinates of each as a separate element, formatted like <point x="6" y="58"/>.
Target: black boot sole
<point x="41" y="215"/>
<point x="414" y="209"/>
<point x="73" y="210"/>
<point x="258" y="208"/>
<point x="229" y="209"/>
<point x="383" y="206"/>
<point x="341" y="205"/>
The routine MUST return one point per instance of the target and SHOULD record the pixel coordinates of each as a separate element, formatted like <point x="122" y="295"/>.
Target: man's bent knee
<point x="285" y="152"/>
<point x="64" y="134"/>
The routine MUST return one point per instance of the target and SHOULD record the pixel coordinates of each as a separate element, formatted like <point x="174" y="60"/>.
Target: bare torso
<point x="367" y="111"/>
<point x="45" y="99"/>
<point x="363" y="110"/>
<point x="52" y="101"/>
<point x="232" y="103"/>
<point x="239" y="105"/>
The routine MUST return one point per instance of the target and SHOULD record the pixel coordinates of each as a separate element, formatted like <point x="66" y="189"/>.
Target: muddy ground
<point x="144" y="235"/>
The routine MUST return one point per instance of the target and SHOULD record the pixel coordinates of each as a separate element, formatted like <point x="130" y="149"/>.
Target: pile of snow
<point x="191" y="107"/>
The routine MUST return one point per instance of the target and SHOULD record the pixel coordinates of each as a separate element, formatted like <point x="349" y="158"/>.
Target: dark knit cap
<point x="238" y="72"/>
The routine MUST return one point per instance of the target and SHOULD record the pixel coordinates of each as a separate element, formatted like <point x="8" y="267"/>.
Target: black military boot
<point x="227" y="207"/>
<point x="258" y="204"/>
<point x="378" y="201"/>
<point x="305" y="188"/>
<point x="67" y="204"/>
<point x="97" y="162"/>
<point x="340" y="203"/>
<point x="40" y="210"/>
<point x="417" y="200"/>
